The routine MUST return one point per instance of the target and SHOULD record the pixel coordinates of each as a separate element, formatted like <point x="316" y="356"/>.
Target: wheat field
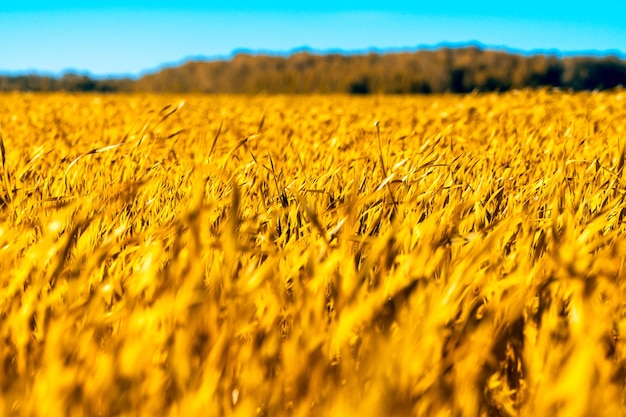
<point x="313" y="255"/>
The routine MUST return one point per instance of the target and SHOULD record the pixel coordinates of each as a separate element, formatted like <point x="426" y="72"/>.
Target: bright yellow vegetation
<point x="279" y="256"/>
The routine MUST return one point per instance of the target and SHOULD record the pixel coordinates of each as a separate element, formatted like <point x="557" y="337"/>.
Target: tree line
<point x="456" y="70"/>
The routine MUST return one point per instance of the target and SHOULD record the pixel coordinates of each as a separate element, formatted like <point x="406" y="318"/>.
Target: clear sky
<point x="132" y="37"/>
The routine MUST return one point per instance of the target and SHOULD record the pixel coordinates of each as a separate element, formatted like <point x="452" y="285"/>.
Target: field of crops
<point x="313" y="255"/>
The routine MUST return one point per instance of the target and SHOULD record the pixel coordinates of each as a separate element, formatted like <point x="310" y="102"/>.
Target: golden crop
<point x="279" y="256"/>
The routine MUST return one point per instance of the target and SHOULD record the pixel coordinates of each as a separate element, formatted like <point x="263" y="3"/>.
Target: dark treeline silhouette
<point x="457" y="70"/>
<point x="69" y="82"/>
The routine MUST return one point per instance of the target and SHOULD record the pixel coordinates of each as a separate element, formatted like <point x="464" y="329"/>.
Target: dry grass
<point x="285" y="256"/>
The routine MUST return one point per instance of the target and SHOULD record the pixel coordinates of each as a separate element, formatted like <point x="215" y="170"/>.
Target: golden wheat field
<point x="313" y="255"/>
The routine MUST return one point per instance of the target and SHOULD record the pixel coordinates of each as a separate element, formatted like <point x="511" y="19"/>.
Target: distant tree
<point x="458" y="70"/>
<point x="360" y="86"/>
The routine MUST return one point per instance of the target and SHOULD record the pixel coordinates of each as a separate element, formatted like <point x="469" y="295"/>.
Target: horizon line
<point x="595" y="53"/>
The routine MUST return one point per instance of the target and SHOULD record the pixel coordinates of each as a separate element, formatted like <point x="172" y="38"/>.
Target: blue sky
<point x="132" y="37"/>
